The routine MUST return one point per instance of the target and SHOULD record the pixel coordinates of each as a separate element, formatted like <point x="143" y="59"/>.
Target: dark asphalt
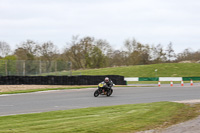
<point x="71" y="99"/>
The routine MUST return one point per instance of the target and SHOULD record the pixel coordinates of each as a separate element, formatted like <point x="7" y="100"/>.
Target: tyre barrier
<point x="59" y="80"/>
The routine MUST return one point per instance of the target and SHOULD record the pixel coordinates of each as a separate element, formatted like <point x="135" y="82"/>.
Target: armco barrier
<point x="191" y="78"/>
<point x="59" y="80"/>
<point x="170" y="79"/>
<point x="148" y="78"/>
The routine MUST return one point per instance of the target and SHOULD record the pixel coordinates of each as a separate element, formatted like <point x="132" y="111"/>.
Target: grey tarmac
<point x="82" y="98"/>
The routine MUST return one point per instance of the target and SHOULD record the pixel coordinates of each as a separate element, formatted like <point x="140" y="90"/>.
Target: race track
<point x="82" y="98"/>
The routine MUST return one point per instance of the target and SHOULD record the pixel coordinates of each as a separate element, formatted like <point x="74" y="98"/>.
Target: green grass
<point x="164" y="70"/>
<point x="46" y="89"/>
<point x="112" y="119"/>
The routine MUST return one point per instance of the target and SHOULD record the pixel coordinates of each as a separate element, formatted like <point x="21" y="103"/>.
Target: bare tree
<point x="87" y="44"/>
<point x="197" y="55"/>
<point x="132" y="54"/>
<point x="73" y="53"/>
<point x="4" y="49"/>
<point x="170" y="52"/>
<point x="27" y="50"/>
<point x="104" y="46"/>
<point x="119" y="58"/>
<point x="30" y="46"/>
<point x="130" y="45"/>
<point x="48" y="52"/>
<point x="187" y="54"/>
<point x="158" y="54"/>
<point x="138" y="53"/>
<point x="145" y="54"/>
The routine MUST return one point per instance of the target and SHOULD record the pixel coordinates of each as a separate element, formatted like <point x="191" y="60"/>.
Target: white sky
<point x="148" y="21"/>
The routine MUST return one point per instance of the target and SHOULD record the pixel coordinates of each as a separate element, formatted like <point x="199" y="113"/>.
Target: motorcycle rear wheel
<point x="109" y="92"/>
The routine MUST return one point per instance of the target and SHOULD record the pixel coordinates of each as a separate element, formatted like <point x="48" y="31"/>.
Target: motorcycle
<point x="103" y="89"/>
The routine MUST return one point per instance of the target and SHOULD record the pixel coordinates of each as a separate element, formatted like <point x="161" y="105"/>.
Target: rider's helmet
<point x="106" y="80"/>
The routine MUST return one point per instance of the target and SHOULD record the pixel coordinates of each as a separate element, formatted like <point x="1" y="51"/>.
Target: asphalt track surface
<point x="82" y="98"/>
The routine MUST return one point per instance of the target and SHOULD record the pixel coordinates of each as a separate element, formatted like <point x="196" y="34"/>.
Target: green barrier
<point x="189" y="78"/>
<point x="148" y="78"/>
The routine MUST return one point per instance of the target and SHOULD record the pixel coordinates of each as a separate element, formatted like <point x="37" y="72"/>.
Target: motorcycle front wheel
<point x="96" y="93"/>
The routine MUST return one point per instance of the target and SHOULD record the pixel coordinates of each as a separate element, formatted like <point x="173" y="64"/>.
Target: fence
<point x="34" y="68"/>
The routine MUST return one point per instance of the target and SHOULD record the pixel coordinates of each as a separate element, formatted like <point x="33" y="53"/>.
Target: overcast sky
<point x="148" y="21"/>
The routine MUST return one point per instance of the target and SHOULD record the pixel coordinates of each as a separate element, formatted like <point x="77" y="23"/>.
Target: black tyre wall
<point x="59" y="80"/>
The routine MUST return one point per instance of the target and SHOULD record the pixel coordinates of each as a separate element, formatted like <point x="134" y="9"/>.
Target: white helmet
<point x="106" y="79"/>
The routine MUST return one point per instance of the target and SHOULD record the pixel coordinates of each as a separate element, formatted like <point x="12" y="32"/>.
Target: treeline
<point x="88" y="52"/>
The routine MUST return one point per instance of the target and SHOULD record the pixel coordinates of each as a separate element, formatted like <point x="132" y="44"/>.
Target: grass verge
<point x="163" y="70"/>
<point x="112" y="119"/>
<point x="46" y="89"/>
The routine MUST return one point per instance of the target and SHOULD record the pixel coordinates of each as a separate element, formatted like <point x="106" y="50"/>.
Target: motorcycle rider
<point x="108" y="82"/>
